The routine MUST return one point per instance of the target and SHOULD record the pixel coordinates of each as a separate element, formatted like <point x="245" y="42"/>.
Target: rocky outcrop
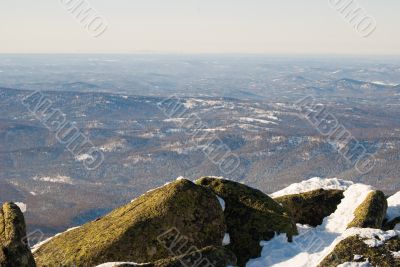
<point x="170" y="220"/>
<point x="354" y="249"/>
<point x="14" y="252"/>
<point x="311" y="207"/>
<point x="372" y="212"/>
<point x="209" y="256"/>
<point x="251" y="216"/>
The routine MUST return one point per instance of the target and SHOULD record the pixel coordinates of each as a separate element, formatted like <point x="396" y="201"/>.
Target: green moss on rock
<point x="14" y="252"/>
<point x="251" y="216"/>
<point x="311" y="207"/>
<point x="377" y="256"/>
<point x="131" y="232"/>
<point x="371" y="213"/>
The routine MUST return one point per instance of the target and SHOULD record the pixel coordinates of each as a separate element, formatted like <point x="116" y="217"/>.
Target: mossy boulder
<point x="188" y="213"/>
<point x="251" y="216"/>
<point x="347" y="249"/>
<point x="209" y="256"/>
<point x="14" y="252"/>
<point x="372" y="212"/>
<point x="311" y="207"/>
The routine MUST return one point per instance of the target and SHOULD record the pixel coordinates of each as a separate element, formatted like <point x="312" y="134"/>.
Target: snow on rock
<point x="112" y="264"/>
<point x="218" y="177"/>
<point x="355" y="264"/>
<point x="396" y="254"/>
<point x="221" y="202"/>
<point x="358" y="257"/>
<point x="313" y="184"/>
<point x="21" y="206"/>
<point x="180" y="178"/>
<point x="312" y="245"/>
<point x="227" y="240"/>
<point x="372" y="237"/>
<point x="344" y="214"/>
<point x="393" y="210"/>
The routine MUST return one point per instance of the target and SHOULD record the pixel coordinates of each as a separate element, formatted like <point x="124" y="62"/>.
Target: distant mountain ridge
<point x="144" y="148"/>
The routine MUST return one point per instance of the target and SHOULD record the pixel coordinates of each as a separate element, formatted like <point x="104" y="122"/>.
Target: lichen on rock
<point x="311" y="207"/>
<point x="346" y="250"/>
<point x="251" y="216"/>
<point x="371" y="213"/>
<point x="130" y="233"/>
<point x="14" y="251"/>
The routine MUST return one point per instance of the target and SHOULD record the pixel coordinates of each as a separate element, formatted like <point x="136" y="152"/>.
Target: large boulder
<point x="311" y="207"/>
<point x="188" y="214"/>
<point x="14" y="252"/>
<point x="372" y="212"/>
<point x="251" y="216"/>
<point x="209" y="256"/>
<point x="354" y="249"/>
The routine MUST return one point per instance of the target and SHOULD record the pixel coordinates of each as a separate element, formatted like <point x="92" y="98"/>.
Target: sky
<point x="200" y="26"/>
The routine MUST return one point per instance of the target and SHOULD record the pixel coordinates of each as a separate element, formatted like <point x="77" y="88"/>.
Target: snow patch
<point x="60" y="179"/>
<point x="221" y="202"/>
<point x="355" y="264"/>
<point x="373" y="237"/>
<point x="312" y="245"/>
<point x="245" y="119"/>
<point x="227" y="240"/>
<point x="112" y="146"/>
<point x="175" y="120"/>
<point x="134" y="159"/>
<point x="384" y="83"/>
<point x="396" y="254"/>
<point x="83" y="157"/>
<point x="358" y="257"/>
<point x="191" y="103"/>
<point x="113" y="264"/>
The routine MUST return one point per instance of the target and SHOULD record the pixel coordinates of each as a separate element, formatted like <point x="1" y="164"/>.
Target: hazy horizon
<point x="194" y="27"/>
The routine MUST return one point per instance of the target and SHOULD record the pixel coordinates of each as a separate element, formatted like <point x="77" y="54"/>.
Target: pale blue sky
<point x="198" y="26"/>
